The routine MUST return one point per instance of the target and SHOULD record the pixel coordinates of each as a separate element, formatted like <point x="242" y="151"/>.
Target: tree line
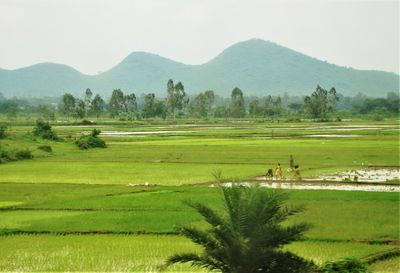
<point x="320" y="105"/>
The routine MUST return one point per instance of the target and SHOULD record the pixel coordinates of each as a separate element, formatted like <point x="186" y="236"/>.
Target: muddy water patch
<point x="340" y="187"/>
<point x="322" y="186"/>
<point x="368" y="175"/>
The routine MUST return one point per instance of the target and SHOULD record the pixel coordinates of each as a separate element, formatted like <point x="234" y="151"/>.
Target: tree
<point x="148" y="109"/>
<point x="202" y="104"/>
<point x="79" y="111"/>
<point x="320" y="103"/>
<point x="221" y="112"/>
<point x="88" y="100"/>
<point x="248" y="237"/>
<point x="237" y="108"/>
<point x="12" y="110"/>
<point x="295" y="107"/>
<point x="130" y="106"/>
<point x="277" y="107"/>
<point x="160" y="109"/>
<point x="116" y="104"/>
<point x="68" y="104"/>
<point x="97" y="105"/>
<point x="46" y="112"/>
<point x="268" y="106"/>
<point x="198" y="107"/>
<point x="254" y="107"/>
<point x="176" y="97"/>
<point x="210" y="96"/>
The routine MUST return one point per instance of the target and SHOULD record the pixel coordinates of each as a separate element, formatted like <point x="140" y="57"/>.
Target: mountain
<point x="256" y="66"/>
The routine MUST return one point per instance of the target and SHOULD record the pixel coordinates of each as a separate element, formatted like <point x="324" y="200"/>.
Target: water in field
<point x="323" y="186"/>
<point x="353" y="180"/>
<point x="370" y="175"/>
<point x="340" y="187"/>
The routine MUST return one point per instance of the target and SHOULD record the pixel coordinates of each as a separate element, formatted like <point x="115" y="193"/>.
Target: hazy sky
<point x="94" y="35"/>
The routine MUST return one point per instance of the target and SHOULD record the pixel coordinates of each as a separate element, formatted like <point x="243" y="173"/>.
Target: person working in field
<point x="296" y="171"/>
<point x="291" y="163"/>
<point x="278" y="172"/>
<point x="269" y="175"/>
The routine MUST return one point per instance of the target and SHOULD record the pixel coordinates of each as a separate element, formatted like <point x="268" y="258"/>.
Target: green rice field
<point x="89" y="210"/>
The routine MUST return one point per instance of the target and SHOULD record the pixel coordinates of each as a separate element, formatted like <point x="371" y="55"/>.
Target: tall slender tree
<point x="130" y="106"/>
<point x="88" y="100"/>
<point x="79" y="110"/>
<point x="148" y="110"/>
<point x="237" y="108"/>
<point x="176" y="97"/>
<point x="68" y="104"/>
<point x="116" y="104"/>
<point x="98" y="105"/>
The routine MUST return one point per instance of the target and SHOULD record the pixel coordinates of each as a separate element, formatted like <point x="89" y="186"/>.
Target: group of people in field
<point x="294" y="169"/>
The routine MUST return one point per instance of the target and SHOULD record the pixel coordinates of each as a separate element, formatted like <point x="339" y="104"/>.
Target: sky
<point x="94" y="35"/>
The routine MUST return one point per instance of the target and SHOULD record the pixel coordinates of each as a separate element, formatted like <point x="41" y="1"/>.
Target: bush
<point x="87" y="122"/>
<point x="347" y="265"/>
<point x="46" y="148"/>
<point x="43" y="129"/>
<point x="95" y="132"/>
<point x="4" y="156"/>
<point x="3" y="129"/>
<point x="23" y="154"/>
<point x="91" y="141"/>
<point x="377" y="117"/>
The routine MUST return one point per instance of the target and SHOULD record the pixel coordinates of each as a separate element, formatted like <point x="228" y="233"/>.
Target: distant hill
<point x="256" y="66"/>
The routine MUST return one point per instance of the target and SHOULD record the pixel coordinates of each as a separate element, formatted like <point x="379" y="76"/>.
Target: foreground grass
<point x="335" y="215"/>
<point x="387" y="266"/>
<point x="139" y="253"/>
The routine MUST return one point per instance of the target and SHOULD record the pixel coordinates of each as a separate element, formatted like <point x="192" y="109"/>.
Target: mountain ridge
<point x="256" y="66"/>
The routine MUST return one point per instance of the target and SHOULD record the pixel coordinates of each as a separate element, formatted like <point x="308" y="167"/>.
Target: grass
<point x="104" y="253"/>
<point x="158" y="160"/>
<point x="335" y="215"/>
<point x="387" y="266"/>
<point x="138" y="253"/>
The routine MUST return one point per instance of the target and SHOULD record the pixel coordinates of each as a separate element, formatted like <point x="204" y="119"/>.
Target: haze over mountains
<point x="256" y="66"/>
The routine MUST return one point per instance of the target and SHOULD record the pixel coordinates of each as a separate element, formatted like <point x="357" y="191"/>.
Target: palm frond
<point x="199" y="237"/>
<point x="286" y="212"/>
<point x="196" y="260"/>
<point x="209" y="214"/>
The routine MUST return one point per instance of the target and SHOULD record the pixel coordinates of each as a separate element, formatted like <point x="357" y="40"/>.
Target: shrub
<point x="87" y="122"/>
<point x="3" y="129"/>
<point x="377" y="117"/>
<point x="91" y="141"/>
<point x="4" y="156"/>
<point x="95" y="132"/>
<point x="23" y="154"/>
<point x="43" y="129"/>
<point x="45" y="148"/>
<point x="347" y="265"/>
